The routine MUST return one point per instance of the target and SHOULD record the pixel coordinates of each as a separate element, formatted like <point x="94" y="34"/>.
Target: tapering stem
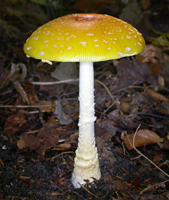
<point x="86" y="165"/>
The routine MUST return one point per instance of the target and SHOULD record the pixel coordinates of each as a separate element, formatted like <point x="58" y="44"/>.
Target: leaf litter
<point x="39" y="131"/>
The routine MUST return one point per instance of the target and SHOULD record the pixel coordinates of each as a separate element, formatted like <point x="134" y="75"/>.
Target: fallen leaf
<point x="69" y="142"/>
<point x="124" y="107"/>
<point x="162" y="107"/>
<point x="155" y="95"/>
<point x="108" y="126"/>
<point x="41" y="150"/>
<point x="48" y="136"/>
<point x="31" y="94"/>
<point x="119" y="185"/>
<point x="164" y="145"/>
<point x="122" y="121"/>
<point x="21" y="91"/>
<point x="107" y="156"/>
<point x="21" y="143"/>
<point x="15" y="74"/>
<point x="52" y="90"/>
<point x="14" y="122"/>
<point x="132" y="72"/>
<point x="63" y="147"/>
<point x="141" y="138"/>
<point x="157" y="157"/>
<point x="153" y="57"/>
<point x="32" y="141"/>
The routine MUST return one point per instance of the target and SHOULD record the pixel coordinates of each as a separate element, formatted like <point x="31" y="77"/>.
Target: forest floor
<point x="39" y="122"/>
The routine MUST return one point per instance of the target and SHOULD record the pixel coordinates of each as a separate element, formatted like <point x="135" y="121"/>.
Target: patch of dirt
<point x="39" y="123"/>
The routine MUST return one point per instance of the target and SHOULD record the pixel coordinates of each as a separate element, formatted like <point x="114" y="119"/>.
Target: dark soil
<point x="37" y="146"/>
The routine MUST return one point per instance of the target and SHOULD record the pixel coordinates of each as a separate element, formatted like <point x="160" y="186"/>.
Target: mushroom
<point x="84" y="38"/>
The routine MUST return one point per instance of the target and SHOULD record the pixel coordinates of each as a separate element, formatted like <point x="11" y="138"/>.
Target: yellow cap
<point x="84" y="38"/>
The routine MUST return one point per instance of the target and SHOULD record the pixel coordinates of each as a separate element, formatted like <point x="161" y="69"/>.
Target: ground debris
<point x="39" y="123"/>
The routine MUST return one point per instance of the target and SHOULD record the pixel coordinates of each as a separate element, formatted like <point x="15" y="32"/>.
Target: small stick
<point x="139" y="152"/>
<point x="108" y="91"/>
<point x="24" y="106"/>
<point x="89" y="191"/>
<point x="67" y="152"/>
<point x="54" y="82"/>
<point x="152" y="186"/>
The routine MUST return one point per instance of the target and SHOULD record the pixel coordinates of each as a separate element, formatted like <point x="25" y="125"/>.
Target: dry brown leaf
<point x="105" y="129"/>
<point x="14" y="122"/>
<point x="122" y="121"/>
<point x="28" y="141"/>
<point x="22" y="92"/>
<point x="164" y="145"/>
<point x="162" y="108"/>
<point x="125" y="107"/>
<point x="32" y="141"/>
<point x="74" y="137"/>
<point x="18" y="73"/>
<point x="41" y="150"/>
<point x="63" y="147"/>
<point x="142" y="137"/>
<point x="52" y="122"/>
<point x="155" y="95"/>
<point x="153" y="56"/>
<point x="106" y="155"/>
<point x="132" y="72"/>
<point x="68" y="142"/>
<point x="52" y="90"/>
<point x="157" y="157"/>
<point x="45" y="139"/>
<point x="48" y="136"/>
<point x="21" y="143"/>
<point x="30" y="91"/>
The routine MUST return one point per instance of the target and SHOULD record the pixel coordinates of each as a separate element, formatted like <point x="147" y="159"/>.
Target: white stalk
<point x="86" y="166"/>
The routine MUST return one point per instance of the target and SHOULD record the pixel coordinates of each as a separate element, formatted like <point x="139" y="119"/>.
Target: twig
<point x="73" y="80"/>
<point x="130" y="86"/>
<point x="108" y="91"/>
<point x="103" y="65"/>
<point x="152" y="115"/>
<point x="24" y="106"/>
<point x="77" y="194"/>
<point x="152" y="186"/>
<point x="31" y="132"/>
<point x="105" y="111"/>
<point x="139" y="152"/>
<point x="67" y="152"/>
<point x="55" y="82"/>
<point x="89" y="191"/>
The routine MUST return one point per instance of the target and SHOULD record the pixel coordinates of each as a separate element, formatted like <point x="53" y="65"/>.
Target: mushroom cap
<point x="84" y="38"/>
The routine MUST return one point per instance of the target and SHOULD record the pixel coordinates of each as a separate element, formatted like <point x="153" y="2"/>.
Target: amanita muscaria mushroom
<point x="84" y="38"/>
